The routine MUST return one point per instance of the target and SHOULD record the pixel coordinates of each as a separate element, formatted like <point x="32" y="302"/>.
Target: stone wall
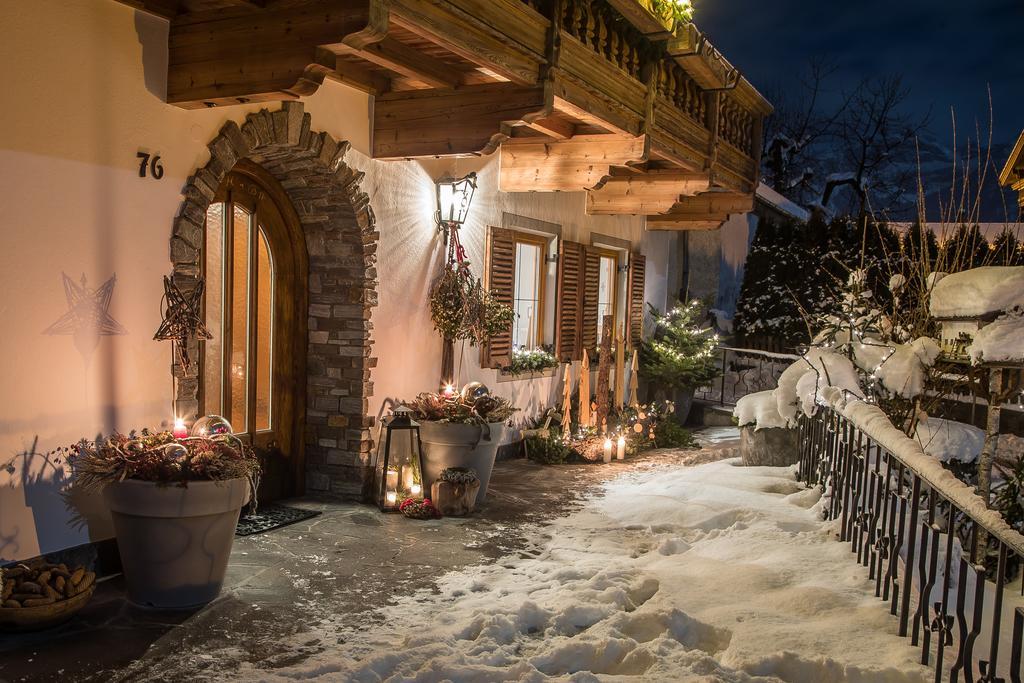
<point x="339" y="229"/>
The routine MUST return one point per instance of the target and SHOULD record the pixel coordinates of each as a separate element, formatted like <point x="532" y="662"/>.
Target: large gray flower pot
<point x="175" y="541"/>
<point x="459" y="445"/>
<point x="772" y="446"/>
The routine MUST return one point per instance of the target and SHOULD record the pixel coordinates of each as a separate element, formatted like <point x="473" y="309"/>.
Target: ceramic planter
<point x="175" y="541"/>
<point x="459" y="445"/>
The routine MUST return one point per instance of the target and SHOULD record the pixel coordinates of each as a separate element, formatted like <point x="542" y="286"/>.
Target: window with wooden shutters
<point x="500" y="282"/>
<point x="637" y="273"/>
<point x="568" y="326"/>
<point x="591" y="284"/>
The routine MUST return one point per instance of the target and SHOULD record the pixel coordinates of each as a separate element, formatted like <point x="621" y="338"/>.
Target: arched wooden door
<point x="253" y="370"/>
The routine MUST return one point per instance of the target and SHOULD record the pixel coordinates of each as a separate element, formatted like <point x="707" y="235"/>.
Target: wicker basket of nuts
<point x="42" y="595"/>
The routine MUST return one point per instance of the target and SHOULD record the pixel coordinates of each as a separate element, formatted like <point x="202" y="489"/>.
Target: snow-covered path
<point x="707" y="573"/>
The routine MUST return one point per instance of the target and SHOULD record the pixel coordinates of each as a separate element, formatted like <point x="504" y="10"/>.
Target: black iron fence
<point x="943" y="569"/>
<point x="744" y="371"/>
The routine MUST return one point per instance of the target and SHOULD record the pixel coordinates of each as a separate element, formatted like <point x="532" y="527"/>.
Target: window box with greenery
<point x="531" y="362"/>
<point x="656" y="19"/>
<point x="680" y="356"/>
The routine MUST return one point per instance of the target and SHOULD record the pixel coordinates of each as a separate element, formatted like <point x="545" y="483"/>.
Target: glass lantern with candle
<point x="399" y="462"/>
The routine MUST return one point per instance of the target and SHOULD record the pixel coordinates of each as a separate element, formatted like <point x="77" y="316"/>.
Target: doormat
<point x="271" y="516"/>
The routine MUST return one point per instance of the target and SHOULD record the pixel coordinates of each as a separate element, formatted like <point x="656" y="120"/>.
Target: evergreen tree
<point x="966" y="248"/>
<point x="681" y="352"/>
<point x="1006" y="250"/>
<point x="919" y="242"/>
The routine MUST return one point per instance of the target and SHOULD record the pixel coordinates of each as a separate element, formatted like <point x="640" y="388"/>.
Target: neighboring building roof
<point x="1013" y="171"/>
<point x="989" y="230"/>
<point x="781" y="204"/>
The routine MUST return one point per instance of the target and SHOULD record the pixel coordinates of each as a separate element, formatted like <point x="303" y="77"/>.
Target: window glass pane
<point x="606" y="293"/>
<point x="213" y="350"/>
<point x="239" y="320"/>
<point x="264" y="331"/>
<point x="529" y="260"/>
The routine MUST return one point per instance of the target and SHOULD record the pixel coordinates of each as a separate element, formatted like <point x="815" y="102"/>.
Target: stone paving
<point x="347" y="561"/>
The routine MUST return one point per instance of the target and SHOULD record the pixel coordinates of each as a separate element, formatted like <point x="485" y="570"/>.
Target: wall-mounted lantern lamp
<point x="453" y="199"/>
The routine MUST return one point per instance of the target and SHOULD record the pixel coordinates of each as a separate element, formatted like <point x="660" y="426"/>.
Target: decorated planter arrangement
<point x="455" y="491"/>
<point x="461" y="429"/>
<point x="175" y="503"/>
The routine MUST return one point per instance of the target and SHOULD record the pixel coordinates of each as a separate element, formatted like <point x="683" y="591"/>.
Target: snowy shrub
<point x="760" y="411"/>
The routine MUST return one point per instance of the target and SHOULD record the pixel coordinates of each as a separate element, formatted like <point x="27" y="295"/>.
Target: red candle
<point x="180" y="431"/>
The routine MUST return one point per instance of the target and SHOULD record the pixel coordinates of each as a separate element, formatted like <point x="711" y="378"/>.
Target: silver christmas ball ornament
<point x="175" y="451"/>
<point x="212" y="426"/>
<point x="474" y="391"/>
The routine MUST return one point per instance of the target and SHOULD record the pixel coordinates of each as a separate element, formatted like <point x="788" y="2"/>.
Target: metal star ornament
<point x="88" y="317"/>
<point x="182" y="319"/>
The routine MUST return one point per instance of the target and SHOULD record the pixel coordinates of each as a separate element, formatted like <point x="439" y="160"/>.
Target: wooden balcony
<point x="596" y="95"/>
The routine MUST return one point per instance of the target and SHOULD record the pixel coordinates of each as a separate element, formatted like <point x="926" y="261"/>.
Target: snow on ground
<point x="707" y="573"/>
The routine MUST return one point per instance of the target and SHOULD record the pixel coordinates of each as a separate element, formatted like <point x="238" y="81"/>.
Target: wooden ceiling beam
<point x="684" y="225"/>
<point x="165" y="9"/>
<point x="559" y="129"/>
<point x="575" y="164"/>
<point x="404" y="60"/>
<point x="694" y="213"/>
<point x="645" y="194"/>
<point x="474" y="119"/>
<point x="235" y="56"/>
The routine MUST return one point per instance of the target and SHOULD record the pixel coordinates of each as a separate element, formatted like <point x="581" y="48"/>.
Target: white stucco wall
<point x="83" y="86"/>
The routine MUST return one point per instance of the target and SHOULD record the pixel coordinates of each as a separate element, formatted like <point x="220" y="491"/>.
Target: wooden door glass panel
<point x="213" y="349"/>
<point x="527" y="328"/>
<point x="606" y="286"/>
<point x="238" y="321"/>
<point x="264" y="332"/>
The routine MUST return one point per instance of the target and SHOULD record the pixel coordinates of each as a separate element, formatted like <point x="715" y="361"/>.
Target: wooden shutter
<point x="568" y="344"/>
<point x="501" y="283"/>
<point x="637" y="273"/>
<point x="591" y="284"/>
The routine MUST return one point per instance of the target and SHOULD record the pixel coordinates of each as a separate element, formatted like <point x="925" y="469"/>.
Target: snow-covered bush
<point x="760" y="411"/>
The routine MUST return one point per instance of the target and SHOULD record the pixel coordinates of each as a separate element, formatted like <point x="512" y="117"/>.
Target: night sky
<point x="948" y="52"/>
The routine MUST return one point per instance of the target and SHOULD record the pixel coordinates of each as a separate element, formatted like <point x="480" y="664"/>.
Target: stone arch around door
<point x="339" y="230"/>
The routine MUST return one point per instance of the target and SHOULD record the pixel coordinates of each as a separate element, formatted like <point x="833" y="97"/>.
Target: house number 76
<point x="152" y="162"/>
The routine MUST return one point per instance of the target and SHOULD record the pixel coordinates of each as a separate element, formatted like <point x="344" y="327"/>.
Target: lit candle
<point x="415" y="489"/>
<point x="449" y="391"/>
<point x="391" y="486"/>
<point x="607" y="450"/>
<point x="408" y="478"/>
<point x="621" y="454"/>
<point x="180" y="431"/>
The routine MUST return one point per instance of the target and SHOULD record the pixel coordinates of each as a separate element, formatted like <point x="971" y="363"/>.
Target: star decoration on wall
<point x="88" y="316"/>
<point x="182" y="319"/>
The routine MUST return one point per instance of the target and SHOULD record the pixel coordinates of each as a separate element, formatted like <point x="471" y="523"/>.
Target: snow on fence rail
<point x="909" y="520"/>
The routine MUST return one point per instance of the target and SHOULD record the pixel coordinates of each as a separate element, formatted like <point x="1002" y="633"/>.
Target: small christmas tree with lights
<point x="681" y="353"/>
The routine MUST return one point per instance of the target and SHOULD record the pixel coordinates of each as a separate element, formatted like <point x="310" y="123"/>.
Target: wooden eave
<point x="1012" y="175"/>
<point x="641" y="114"/>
